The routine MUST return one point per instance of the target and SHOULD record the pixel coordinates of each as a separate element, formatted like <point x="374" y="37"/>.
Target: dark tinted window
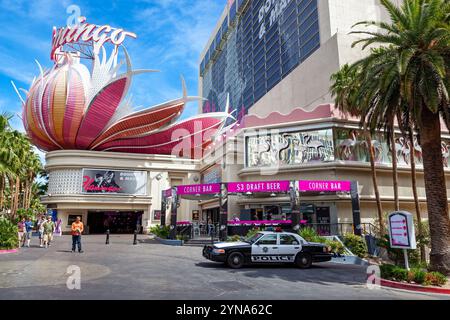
<point x="287" y="239"/>
<point x="268" y="45"/>
<point x="268" y="239"/>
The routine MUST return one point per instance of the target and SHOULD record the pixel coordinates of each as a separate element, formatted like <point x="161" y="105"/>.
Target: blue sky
<point x="171" y="35"/>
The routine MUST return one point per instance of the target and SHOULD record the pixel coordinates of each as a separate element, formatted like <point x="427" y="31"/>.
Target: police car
<point x="268" y="247"/>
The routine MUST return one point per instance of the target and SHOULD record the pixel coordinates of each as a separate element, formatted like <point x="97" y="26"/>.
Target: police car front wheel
<point x="235" y="260"/>
<point x="303" y="260"/>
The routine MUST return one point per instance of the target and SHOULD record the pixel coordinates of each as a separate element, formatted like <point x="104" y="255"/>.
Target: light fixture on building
<point x="196" y="179"/>
<point x="197" y="195"/>
<point x="159" y="177"/>
<point x="273" y="194"/>
<point x="248" y="193"/>
<point x="216" y="195"/>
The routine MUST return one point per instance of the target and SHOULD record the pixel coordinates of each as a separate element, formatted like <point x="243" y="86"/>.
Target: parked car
<point x="268" y="247"/>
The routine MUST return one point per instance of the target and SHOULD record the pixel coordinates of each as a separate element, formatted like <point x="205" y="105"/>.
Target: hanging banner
<point x="260" y="186"/>
<point x="199" y="189"/>
<point x="324" y="186"/>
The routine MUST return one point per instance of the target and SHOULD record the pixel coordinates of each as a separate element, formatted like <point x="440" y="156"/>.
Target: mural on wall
<point x="290" y="148"/>
<point x="351" y="146"/>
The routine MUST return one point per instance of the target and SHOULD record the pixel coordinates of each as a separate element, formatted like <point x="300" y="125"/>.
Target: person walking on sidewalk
<point x="21" y="234"/>
<point x="49" y="228"/>
<point x="40" y="228"/>
<point x="29" y="231"/>
<point x="77" y="230"/>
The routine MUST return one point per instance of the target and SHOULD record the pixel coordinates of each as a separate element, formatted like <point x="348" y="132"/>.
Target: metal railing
<point x="342" y="228"/>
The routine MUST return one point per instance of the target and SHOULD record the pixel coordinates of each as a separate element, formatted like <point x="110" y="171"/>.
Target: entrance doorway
<point x="212" y="216"/>
<point x="323" y="220"/>
<point x="117" y="222"/>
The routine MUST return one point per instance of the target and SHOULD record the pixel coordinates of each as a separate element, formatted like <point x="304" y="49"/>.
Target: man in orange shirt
<point x="77" y="230"/>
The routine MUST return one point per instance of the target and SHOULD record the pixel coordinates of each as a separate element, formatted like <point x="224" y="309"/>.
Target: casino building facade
<point x="268" y="117"/>
<point x="272" y="60"/>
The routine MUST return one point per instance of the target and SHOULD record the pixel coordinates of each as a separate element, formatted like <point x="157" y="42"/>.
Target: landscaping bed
<point x="418" y="279"/>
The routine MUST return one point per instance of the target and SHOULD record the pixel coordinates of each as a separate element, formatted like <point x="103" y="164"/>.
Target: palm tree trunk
<point x="412" y="159"/>
<point x="436" y="191"/>
<point x="375" y="182"/>
<point x="2" y="190"/>
<point x="394" y="167"/>
<point x="16" y="195"/>
<point x="12" y="214"/>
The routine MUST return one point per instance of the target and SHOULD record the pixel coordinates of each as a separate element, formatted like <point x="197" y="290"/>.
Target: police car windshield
<point x="254" y="238"/>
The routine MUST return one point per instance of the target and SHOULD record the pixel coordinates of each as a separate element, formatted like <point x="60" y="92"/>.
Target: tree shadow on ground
<point x="325" y="274"/>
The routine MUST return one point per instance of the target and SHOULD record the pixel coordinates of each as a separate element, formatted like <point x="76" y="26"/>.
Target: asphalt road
<point x="153" y="271"/>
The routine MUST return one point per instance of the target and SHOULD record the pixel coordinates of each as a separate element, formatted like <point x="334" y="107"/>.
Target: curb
<point x="176" y="243"/>
<point x="413" y="287"/>
<point x="9" y="251"/>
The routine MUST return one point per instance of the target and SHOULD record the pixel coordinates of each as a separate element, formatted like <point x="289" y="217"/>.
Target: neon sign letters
<point x="88" y="32"/>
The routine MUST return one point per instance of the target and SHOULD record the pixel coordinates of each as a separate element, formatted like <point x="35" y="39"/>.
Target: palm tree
<point x="413" y="65"/>
<point x="19" y="165"/>
<point x="344" y="90"/>
<point x="408" y="132"/>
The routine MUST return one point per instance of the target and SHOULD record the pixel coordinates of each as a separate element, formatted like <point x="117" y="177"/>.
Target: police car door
<point x="289" y="246"/>
<point x="266" y="249"/>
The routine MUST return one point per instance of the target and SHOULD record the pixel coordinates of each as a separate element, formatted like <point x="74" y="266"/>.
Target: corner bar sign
<point x="199" y="189"/>
<point x="324" y="186"/>
<point x="88" y="32"/>
<point x="260" y="186"/>
<point x="401" y="230"/>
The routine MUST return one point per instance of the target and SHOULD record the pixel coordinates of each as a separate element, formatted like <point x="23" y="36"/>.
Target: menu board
<point x="401" y="230"/>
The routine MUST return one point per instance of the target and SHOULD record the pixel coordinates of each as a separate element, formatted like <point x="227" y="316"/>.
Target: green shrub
<point x="435" y="279"/>
<point x="234" y="238"/>
<point x="182" y="237"/>
<point x="336" y="246"/>
<point x="9" y="238"/>
<point x="356" y="244"/>
<point x="252" y="232"/>
<point x="387" y="271"/>
<point x="160" y="231"/>
<point x="397" y="255"/>
<point x="400" y="274"/>
<point x="310" y="235"/>
<point x="417" y="275"/>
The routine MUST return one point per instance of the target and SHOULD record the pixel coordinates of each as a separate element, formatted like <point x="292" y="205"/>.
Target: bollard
<point x="135" y="238"/>
<point x="107" y="236"/>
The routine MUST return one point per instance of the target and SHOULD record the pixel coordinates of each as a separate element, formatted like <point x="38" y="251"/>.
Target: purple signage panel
<point x="260" y="186"/>
<point x="168" y="193"/>
<point x="324" y="186"/>
<point x="199" y="189"/>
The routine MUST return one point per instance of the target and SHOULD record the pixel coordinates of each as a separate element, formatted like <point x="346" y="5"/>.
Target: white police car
<point x="268" y="247"/>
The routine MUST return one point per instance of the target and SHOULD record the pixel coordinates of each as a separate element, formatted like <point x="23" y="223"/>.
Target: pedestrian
<point x="21" y="232"/>
<point x="49" y="228"/>
<point x="29" y="231"/>
<point x="40" y="228"/>
<point x="77" y="230"/>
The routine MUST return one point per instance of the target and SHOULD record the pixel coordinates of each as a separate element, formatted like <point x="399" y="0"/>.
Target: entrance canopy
<point x="221" y="191"/>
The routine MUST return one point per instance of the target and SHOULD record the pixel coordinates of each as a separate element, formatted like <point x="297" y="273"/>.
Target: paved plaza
<point x="153" y="271"/>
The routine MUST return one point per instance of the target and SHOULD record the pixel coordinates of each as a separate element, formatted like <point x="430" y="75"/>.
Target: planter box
<point x="9" y="251"/>
<point x="170" y="242"/>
